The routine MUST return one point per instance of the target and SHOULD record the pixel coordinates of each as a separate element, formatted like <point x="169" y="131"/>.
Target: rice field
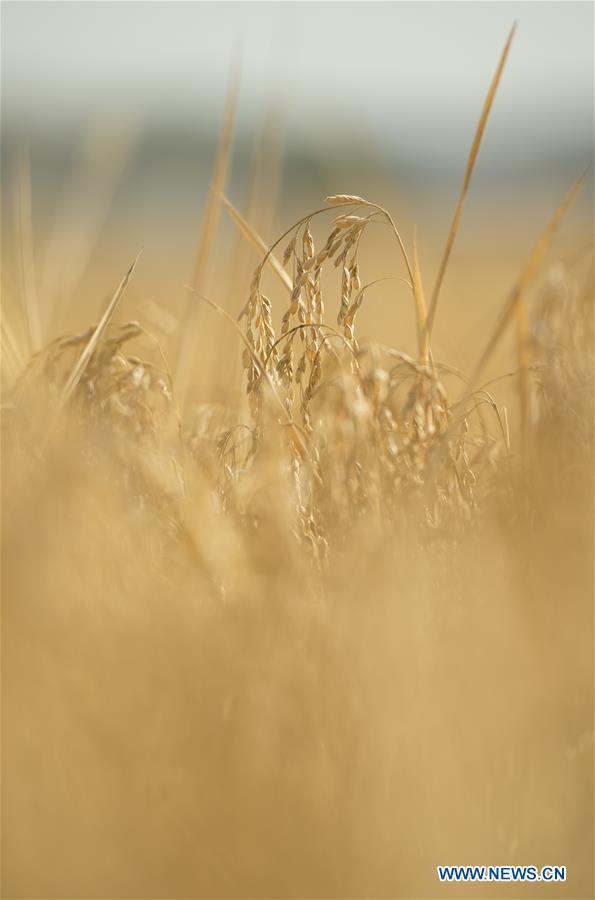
<point x="328" y="628"/>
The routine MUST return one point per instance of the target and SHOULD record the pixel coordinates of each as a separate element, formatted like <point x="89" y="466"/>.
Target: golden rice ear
<point x="344" y="200"/>
<point x="297" y="434"/>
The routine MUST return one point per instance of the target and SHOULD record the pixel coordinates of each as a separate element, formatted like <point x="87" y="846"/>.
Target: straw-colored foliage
<point x="315" y="643"/>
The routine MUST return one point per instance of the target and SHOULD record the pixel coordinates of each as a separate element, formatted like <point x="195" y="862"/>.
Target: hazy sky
<point x="413" y="73"/>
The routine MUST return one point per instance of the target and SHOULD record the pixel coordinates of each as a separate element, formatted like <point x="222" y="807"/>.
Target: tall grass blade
<point x="83" y="361"/>
<point x="487" y="106"/>
<point x="24" y="228"/>
<point x="420" y="302"/>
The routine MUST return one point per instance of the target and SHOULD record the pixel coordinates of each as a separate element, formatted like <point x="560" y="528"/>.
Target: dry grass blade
<point x="420" y="302"/>
<point x="25" y="247"/>
<point x="87" y="353"/>
<point x="524" y="361"/>
<point x="10" y="345"/>
<point x="8" y="359"/>
<point x="466" y="181"/>
<point x="251" y="235"/>
<point x="189" y="331"/>
<point x="518" y="292"/>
